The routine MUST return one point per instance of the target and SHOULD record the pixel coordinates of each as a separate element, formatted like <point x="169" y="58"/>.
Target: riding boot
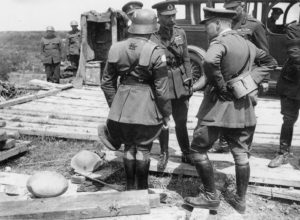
<point x="129" y="166"/>
<point x="142" y="171"/>
<point x="164" y="151"/>
<point x="208" y="199"/>
<point x="184" y="143"/>
<point x="238" y="201"/>
<point x="282" y="156"/>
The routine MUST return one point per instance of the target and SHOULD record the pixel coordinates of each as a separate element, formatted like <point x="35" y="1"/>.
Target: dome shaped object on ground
<point x="86" y="161"/>
<point x="46" y="184"/>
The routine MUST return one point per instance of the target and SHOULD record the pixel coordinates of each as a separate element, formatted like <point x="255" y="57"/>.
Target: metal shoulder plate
<point x="146" y="53"/>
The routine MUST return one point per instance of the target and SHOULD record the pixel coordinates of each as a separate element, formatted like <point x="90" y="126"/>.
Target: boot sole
<point x="215" y="207"/>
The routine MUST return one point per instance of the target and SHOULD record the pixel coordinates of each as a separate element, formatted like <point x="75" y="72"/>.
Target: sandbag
<point x="46" y="184"/>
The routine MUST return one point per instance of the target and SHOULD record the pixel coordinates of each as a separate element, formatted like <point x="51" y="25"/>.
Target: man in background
<point x="288" y="87"/>
<point x="73" y="45"/>
<point x="271" y="22"/>
<point x="51" y="51"/>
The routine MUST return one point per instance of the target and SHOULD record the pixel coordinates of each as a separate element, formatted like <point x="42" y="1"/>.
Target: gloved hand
<point x="264" y="87"/>
<point x="166" y="122"/>
<point x="224" y="95"/>
<point x="253" y="97"/>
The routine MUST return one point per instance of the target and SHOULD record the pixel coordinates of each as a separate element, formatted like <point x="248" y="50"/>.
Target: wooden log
<point x="274" y="192"/>
<point x="79" y="206"/>
<point x="28" y="98"/>
<point x="49" y="85"/>
<point x="160" y="213"/>
<point x="19" y="148"/>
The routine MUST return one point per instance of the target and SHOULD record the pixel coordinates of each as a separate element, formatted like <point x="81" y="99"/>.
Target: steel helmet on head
<point x="73" y="23"/>
<point x="144" y="21"/>
<point x="50" y="28"/>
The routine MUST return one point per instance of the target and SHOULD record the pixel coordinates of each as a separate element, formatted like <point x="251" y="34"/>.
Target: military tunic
<point x="253" y="30"/>
<point x="51" y="51"/>
<point x="179" y="69"/>
<point x="225" y="57"/>
<point x="138" y="105"/>
<point x="73" y="47"/>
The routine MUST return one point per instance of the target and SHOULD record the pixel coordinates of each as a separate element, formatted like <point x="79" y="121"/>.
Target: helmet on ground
<point x="73" y="23"/>
<point x="50" y="28"/>
<point x="144" y="21"/>
<point x="86" y="161"/>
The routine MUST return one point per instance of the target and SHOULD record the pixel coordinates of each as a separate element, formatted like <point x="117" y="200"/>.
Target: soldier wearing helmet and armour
<point x="73" y="44"/>
<point x="51" y="51"/>
<point x="140" y="105"/>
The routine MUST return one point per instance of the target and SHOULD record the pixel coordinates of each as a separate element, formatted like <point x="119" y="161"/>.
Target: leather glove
<point x="253" y="97"/>
<point x="166" y="122"/>
<point x="224" y="95"/>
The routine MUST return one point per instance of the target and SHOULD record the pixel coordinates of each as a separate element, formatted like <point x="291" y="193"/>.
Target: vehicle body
<point x="190" y="13"/>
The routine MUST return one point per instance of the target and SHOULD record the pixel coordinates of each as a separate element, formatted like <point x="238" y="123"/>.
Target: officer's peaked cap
<point x="231" y="3"/>
<point x="277" y="11"/>
<point x="129" y="7"/>
<point x="166" y="7"/>
<point x="210" y="13"/>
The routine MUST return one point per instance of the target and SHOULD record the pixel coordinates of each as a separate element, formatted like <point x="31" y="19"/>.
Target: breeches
<point x="137" y="152"/>
<point x="239" y="140"/>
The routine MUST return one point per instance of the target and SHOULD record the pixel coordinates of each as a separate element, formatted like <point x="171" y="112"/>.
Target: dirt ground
<point x="55" y="154"/>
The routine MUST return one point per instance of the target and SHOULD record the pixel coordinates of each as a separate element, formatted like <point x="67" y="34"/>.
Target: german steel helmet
<point x="73" y="23"/>
<point x="144" y="21"/>
<point x="50" y="28"/>
<point x="86" y="161"/>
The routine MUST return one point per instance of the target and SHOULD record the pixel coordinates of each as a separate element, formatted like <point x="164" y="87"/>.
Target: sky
<point x="36" y="15"/>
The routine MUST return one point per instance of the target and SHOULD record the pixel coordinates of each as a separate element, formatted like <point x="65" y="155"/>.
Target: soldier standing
<point x="288" y="87"/>
<point x="51" y="51"/>
<point x="228" y="57"/>
<point x="251" y="29"/>
<point x="140" y="105"/>
<point x="73" y="45"/>
<point x="173" y="39"/>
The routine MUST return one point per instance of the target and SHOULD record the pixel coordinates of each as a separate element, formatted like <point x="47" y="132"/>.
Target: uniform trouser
<point x="74" y="59"/>
<point x="180" y="112"/>
<point x="290" y="111"/>
<point x="52" y="71"/>
<point x="239" y="140"/>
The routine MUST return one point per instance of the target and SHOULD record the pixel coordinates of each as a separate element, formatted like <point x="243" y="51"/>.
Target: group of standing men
<point x="153" y="69"/>
<point x="52" y="51"/>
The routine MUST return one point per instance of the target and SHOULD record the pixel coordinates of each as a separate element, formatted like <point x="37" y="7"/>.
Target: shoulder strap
<point x="245" y="64"/>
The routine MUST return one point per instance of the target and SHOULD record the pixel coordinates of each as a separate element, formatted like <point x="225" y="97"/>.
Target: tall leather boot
<point x="208" y="199"/>
<point x="129" y="166"/>
<point x="282" y="156"/>
<point x="238" y="201"/>
<point x="142" y="171"/>
<point x="164" y="151"/>
<point x="184" y="143"/>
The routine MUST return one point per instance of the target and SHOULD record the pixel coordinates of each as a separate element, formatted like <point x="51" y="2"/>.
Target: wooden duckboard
<point x="19" y="148"/>
<point x="78" y="206"/>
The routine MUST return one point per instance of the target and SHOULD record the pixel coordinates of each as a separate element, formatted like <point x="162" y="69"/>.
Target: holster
<point x="182" y="82"/>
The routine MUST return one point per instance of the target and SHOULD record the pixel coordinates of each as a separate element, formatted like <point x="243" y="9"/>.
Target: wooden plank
<point x="260" y="173"/>
<point x="49" y="85"/>
<point x="274" y="192"/>
<point x="161" y="213"/>
<point x="19" y="148"/>
<point x="79" y="206"/>
<point x="28" y="98"/>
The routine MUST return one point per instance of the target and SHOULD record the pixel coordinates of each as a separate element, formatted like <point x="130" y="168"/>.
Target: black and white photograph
<point x="157" y="109"/>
